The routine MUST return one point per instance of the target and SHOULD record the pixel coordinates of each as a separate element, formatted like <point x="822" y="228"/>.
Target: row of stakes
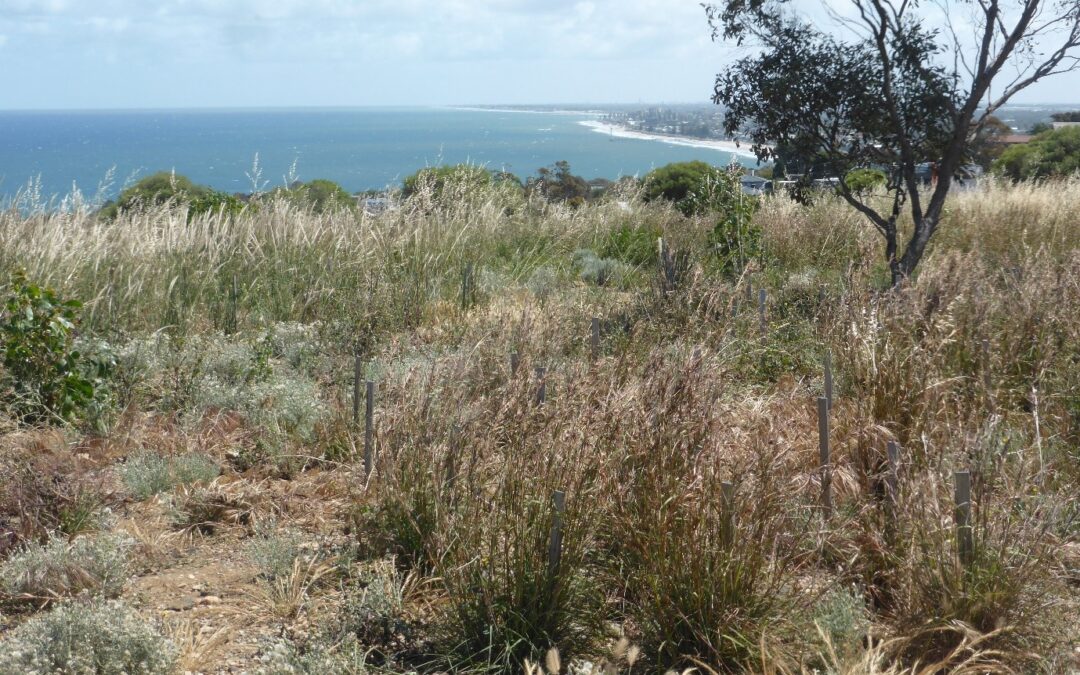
<point x="962" y="479"/>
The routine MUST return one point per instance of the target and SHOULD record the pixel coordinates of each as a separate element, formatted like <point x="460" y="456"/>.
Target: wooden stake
<point x="234" y="321"/>
<point x="727" y="514"/>
<point x="965" y="546"/>
<point x="541" y="388"/>
<point x="369" y="428"/>
<point x="892" y="478"/>
<point x="555" y="540"/>
<point x="761" y="313"/>
<point x="515" y="361"/>
<point x="466" y="286"/>
<point x="823" y="448"/>
<point x="828" y="378"/>
<point x="594" y="339"/>
<point x="358" y="368"/>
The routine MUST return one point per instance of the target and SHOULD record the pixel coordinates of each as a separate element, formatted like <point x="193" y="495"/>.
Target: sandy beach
<point x="619" y="132"/>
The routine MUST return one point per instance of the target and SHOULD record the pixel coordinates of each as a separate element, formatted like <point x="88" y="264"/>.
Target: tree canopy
<point x="441" y="178"/>
<point x="678" y="182"/>
<point x="168" y="186"/>
<point x="558" y="183"/>
<point x="886" y="92"/>
<point x="1048" y="155"/>
<point x="320" y="195"/>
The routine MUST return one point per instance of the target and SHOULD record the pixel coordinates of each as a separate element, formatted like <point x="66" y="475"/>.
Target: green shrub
<point x="102" y="638"/>
<point x="168" y="187"/>
<point x="95" y="564"/>
<point x="678" y="183"/>
<point x="736" y="239"/>
<point x="1054" y="153"/>
<point x="320" y="195"/>
<point x="633" y="244"/>
<point x="442" y="180"/>
<point x="865" y="180"/>
<point x="45" y="377"/>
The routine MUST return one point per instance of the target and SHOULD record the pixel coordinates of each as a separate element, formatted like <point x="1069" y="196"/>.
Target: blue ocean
<point x="362" y="149"/>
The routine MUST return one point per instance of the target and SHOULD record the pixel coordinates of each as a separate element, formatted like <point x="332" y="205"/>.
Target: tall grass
<point x="685" y="395"/>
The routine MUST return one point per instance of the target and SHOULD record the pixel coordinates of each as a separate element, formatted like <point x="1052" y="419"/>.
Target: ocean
<point x="362" y="149"/>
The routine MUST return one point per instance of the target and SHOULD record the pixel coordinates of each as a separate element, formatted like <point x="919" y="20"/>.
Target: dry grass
<point x="686" y="395"/>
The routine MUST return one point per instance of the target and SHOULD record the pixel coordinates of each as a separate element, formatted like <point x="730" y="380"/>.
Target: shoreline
<point x="729" y="147"/>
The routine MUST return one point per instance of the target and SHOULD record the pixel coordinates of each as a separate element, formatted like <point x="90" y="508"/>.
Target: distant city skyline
<point x="154" y="54"/>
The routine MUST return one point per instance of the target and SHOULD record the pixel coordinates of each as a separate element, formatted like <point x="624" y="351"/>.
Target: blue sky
<point x="226" y="53"/>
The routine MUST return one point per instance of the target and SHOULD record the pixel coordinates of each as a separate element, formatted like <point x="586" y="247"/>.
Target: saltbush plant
<point x="96" y="638"/>
<point x="147" y="474"/>
<point x="96" y="564"/>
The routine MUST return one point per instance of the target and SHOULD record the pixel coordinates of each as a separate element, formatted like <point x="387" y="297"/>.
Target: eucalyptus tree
<point x="893" y="84"/>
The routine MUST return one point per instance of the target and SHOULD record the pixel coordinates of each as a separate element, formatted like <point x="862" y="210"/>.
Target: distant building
<point x="1012" y="139"/>
<point x="755" y="185"/>
<point x="373" y="206"/>
<point x="1065" y="125"/>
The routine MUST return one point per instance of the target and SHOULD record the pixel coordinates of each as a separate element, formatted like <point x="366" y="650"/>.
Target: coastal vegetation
<point x="594" y="440"/>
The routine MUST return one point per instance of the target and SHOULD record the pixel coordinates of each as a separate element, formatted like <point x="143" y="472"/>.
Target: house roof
<point x="1013" y="139"/>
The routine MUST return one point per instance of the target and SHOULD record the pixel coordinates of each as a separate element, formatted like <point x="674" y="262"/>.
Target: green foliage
<point x="169" y="187"/>
<point x="558" y="183"/>
<point x="101" y="638"/>
<point x="320" y="195"/>
<point x="634" y="244"/>
<point x="862" y="181"/>
<point x="1051" y="154"/>
<point x="1071" y="116"/>
<point x="447" y="179"/>
<point x="45" y="377"/>
<point x="736" y="239"/>
<point x="679" y="183"/>
<point x="214" y="201"/>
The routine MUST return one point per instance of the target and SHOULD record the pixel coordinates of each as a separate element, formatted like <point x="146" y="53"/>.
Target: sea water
<point x="362" y="149"/>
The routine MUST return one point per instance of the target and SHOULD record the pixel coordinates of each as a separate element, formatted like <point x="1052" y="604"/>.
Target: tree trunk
<point x="925" y="226"/>
<point x="890" y="255"/>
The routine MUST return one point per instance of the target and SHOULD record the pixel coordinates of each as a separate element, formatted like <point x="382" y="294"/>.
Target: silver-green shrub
<point x="283" y="658"/>
<point x="275" y="552"/>
<point x="101" y="638"/>
<point x="98" y="564"/>
<point x="145" y="475"/>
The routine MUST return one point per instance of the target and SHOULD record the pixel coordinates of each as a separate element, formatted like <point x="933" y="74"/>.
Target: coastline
<point x="729" y="147"/>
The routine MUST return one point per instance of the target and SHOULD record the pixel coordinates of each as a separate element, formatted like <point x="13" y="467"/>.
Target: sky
<point x="80" y="54"/>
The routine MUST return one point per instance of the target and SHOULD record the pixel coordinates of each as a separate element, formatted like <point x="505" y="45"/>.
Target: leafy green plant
<point x="861" y="181"/>
<point x="633" y="244"/>
<point x="46" y="378"/>
<point x="736" y="239"/>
